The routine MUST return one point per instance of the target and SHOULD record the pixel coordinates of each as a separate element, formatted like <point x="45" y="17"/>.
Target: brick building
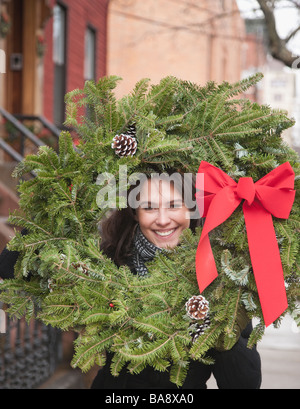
<point x="76" y="50"/>
<point x="51" y="48"/>
<point x="193" y="40"/>
<point x="48" y="48"/>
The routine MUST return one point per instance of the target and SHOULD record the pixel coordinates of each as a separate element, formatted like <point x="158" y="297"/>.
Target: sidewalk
<point x="280" y="357"/>
<point x="65" y="378"/>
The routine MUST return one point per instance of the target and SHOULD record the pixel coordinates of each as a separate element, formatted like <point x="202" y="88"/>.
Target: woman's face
<point x="162" y="215"/>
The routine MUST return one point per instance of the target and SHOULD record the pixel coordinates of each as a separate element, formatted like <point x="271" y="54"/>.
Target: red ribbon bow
<point x="271" y="195"/>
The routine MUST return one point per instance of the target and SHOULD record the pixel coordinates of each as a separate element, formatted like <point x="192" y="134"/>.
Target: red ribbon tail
<point x="266" y="261"/>
<point x="206" y="270"/>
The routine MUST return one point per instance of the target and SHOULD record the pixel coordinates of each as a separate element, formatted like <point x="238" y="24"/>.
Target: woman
<point x="158" y="214"/>
<point x="153" y="223"/>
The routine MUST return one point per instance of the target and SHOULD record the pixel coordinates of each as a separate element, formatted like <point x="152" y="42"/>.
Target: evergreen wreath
<point x="63" y="279"/>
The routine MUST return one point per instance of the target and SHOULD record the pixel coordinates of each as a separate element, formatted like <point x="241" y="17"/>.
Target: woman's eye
<point x="177" y="205"/>
<point x="149" y="208"/>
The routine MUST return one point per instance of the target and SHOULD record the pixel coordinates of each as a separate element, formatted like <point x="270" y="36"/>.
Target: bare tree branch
<point x="296" y="3"/>
<point x="277" y="45"/>
<point x="292" y="34"/>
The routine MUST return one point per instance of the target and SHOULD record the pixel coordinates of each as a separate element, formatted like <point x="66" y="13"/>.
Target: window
<point x="59" y="35"/>
<point x="59" y="59"/>
<point x="278" y="83"/>
<point x="89" y="57"/>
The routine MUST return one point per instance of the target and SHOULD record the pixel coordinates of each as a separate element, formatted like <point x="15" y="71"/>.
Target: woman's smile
<point x="164" y="233"/>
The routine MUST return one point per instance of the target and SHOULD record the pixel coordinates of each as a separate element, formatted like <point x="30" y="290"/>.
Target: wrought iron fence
<point x="29" y="354"/>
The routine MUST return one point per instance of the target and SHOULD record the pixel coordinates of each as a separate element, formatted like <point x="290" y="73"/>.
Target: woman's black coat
<point x="238" y="368"/>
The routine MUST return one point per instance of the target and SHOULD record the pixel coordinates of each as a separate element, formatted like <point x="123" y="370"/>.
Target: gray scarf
<point x="143" y="251"/>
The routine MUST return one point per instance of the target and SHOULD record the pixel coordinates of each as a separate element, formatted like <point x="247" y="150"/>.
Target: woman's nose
<point x="163" y="217"/>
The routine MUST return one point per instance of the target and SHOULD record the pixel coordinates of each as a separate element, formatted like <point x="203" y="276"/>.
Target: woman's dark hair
<point x="117" y="230"/>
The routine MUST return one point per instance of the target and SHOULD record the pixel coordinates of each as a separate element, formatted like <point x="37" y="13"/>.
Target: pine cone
<point x="131" y="131"/>
<point x="124" y="145"/>
<point x="199" y="329"/>
<point x="197" y="307"/>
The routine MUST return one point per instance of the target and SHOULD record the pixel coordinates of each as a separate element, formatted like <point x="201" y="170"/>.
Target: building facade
<point x="47" y="48"/>
<point x="278" y="88"/>
<point x="76" y="50"/>
<point x="51" y="47"/>
<point x="193" y="40"/>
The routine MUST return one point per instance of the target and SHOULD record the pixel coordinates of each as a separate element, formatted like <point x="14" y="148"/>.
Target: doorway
<point x="14" y="84"/>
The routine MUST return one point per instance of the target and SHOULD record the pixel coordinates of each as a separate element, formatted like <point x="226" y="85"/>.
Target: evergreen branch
<point x="46" y="241"/>
<point x="60" y="322"/>
<point x="225" y="120"/>
<point x="207" y="340"/>
<point x="69" y="272"/>
<point x="256" y="334"/>
<point x="99" y="294"/>
<point x="148" y="355"/>
<point x="144" y="326"/>
<point x="230" y="335"/>
<point x="156" y="313"/>
<point x="117" y="364"/>
<point x="177" y="351"/>
<point x="220" y="152"/>
<point x="22" y="221"/>
<point x="96" y="316"/>
<point x="148" y="286"/>
<point x="95" y="345"/>
<point x="136" y="368"/>
<point x="19" y="310"/>
<point x="178" y="372"/>
<point x="160" y="297"/>
<point x="95" y="359"/>
<point x="82" y="298"/>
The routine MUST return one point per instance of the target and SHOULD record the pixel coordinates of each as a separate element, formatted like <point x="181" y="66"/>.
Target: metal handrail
<point x="24" y="131"/>
<point x="44" y="121"/>
<point x="20" y="127"/>
<point x="10" y="151"/>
